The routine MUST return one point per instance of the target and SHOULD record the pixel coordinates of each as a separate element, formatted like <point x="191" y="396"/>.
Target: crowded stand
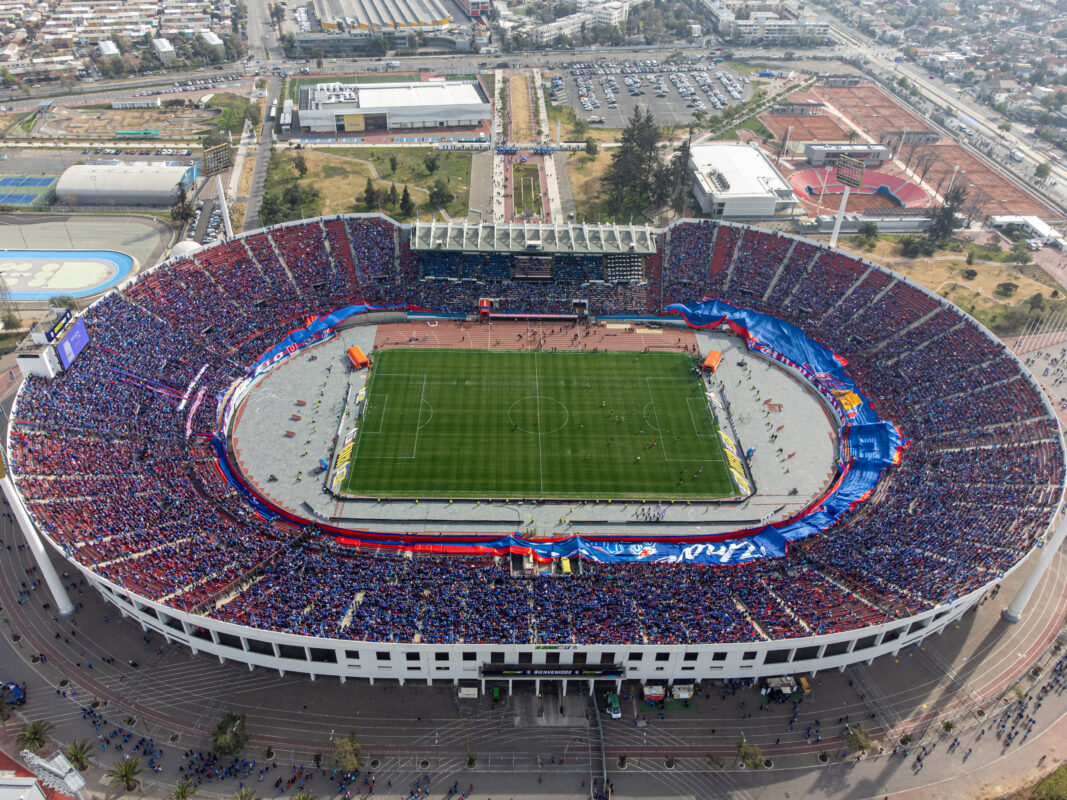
<point x="105" y="459"/>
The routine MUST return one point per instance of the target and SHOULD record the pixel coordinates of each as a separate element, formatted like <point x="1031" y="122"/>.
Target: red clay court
<point x="893" y="189"/>
<point x="878" y="113"/>
<point x="816" y="128"/>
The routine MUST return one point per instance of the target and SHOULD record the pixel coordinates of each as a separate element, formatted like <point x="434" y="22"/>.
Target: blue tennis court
<point x="28" y="183"/>
<point x="17" y="199"/>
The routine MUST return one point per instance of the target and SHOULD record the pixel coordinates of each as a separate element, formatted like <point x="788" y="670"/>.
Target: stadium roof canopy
<point x="380" y="13"/>
<point x="533" y="238"/>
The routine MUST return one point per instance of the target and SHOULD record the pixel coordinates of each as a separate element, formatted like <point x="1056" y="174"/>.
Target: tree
<point x="370" y="195"/>
<point x="271" y="210"/>
<point x="1042" y="171"/>
<point x="580" y="127"/>
<point x="1004" y="126"/>
<point x="253" y="115"/>
<point x="1036" y="301"/>
<point x="229" y="737"/>
<point x="183" y="791"/>
<point x="63" y="301"/>
<point x="868" y="230"/>
<point x="244" y="793"/>
<point x="394" y="162"/>
<point x="125" y="773"/>
<point x="300" y="164"/>
<point x="943" y="218"/>
<point x="305" y="795"/>
<point x="182" y="210"/>
<point x="33" y="736"/>
<point x="407" y="207"/>
<point x="432" y="161"/>
<point x="858" y="740"/>
<point x="394" y="198"/>
<point x="591" y="147"/>
<point x="852" y="135"/>
<point x="751" y="756"/>
<point x="80" y="754"/>
<point x="970" y="257"/>
<point x="635" y="178"/>
<point x="440" y="194"/>
<point x="347" y="752"/>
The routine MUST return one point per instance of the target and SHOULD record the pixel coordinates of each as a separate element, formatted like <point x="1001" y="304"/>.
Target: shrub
<point x="970" y="274"/>
<point x="1007" y="289"/>
<point x="749" y="754"/>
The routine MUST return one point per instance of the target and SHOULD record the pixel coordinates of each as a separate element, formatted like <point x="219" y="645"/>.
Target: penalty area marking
<point x="665" y="449"/>
<point x="419" y="424"/>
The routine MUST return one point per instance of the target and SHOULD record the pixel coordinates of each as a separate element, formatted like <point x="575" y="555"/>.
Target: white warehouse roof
<point x="737" y="170"/>
<point x="122" y="184"/>
<point x="397" y="95"/>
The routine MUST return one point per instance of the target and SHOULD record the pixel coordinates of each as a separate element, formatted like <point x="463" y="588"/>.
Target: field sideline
<point x="476" y="423"/>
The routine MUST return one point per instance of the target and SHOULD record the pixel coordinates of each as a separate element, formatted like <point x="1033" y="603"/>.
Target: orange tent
<point x="712" y="361"/>
<point x="358" y="359"/>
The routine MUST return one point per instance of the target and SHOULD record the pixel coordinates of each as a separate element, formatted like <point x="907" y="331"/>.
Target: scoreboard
<point x="73" y="343"/>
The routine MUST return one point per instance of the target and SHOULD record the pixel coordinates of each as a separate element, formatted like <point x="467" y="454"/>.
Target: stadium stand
<point x="102" y="456"/>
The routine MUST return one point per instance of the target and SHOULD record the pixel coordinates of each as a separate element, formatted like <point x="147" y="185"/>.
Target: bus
<point x="143" y="134"/>
<point x="613" y="706"/>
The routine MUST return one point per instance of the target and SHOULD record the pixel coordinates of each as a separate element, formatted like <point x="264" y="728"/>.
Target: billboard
<point x="850" y="172"/>
<point x="73" y="343"/>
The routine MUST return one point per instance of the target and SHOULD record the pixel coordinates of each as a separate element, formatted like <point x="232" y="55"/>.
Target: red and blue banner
<point x="867" y="445"/>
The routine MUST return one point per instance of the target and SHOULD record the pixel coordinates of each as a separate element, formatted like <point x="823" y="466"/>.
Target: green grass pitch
<point x="508" y="423"/>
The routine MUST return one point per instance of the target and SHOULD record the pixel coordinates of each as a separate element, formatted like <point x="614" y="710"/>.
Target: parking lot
<point x="672" y="92"/>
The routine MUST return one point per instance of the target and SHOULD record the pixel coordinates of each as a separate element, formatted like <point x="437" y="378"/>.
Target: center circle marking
<point x="538" y="414"/>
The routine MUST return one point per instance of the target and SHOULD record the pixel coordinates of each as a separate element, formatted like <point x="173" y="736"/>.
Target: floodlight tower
<point x="217" y="161"/>
<point x="850" y="175"/>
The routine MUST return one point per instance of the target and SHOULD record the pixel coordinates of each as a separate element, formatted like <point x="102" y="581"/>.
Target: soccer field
<point x="477" y="423"/>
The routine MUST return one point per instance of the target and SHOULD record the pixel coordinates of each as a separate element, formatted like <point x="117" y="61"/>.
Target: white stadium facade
<point x="579" y="665"/>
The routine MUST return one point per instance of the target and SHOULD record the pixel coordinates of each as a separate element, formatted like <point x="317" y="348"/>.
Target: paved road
<point x="259" y="175"/>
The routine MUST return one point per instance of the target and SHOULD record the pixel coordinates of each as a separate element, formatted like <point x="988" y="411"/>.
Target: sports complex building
<point x="947" y="467"/>
<point x="419" y="105"/>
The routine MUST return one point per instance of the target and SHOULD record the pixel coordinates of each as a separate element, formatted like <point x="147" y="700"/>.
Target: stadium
<point x="133" y="465"/>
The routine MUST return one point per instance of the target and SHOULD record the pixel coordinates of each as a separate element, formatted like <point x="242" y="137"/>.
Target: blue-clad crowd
<point x="109" y="461"/>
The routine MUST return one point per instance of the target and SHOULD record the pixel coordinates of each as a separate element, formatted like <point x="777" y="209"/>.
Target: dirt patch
<point x="944" y="274"/>
<point x="81" y="123"/>
<point x="585" y="174"/>
<point x="521" y="120"/>
<point x="244" y="185"/>
<point x="341" y="181"/>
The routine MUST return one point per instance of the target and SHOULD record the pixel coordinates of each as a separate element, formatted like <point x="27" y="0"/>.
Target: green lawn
<point x="233" y="107"/>
<point x="751" y="123"/>
<point x="509" y="423"/>
<point x="526" y="190"/>
<point x="1054" y="787"/>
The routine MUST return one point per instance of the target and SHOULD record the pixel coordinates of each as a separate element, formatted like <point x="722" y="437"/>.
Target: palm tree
<point x="852" y="135"/>
<point x="125" y="773"/>
<point x="34" y="736"/>
<point x="80" y="754"/>
<point x="244" y="793"/>
<point x="183" y="791"/>
<point x="305" y="795"/>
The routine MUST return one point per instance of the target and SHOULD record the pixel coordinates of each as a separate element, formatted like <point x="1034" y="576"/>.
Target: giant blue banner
<point x="867" y="445"/>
